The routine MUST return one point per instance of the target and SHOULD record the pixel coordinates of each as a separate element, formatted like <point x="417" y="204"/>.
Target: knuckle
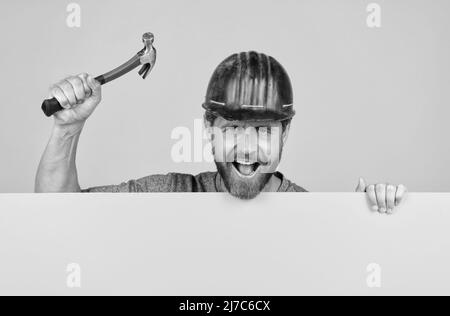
<point x="76" y="81"/>
<point x="64" y="81"/>
<point x="378" y="188"/>
<point x="65" y="85"/>
<point x="83" y="78"/>
<point x="391" y="188"/>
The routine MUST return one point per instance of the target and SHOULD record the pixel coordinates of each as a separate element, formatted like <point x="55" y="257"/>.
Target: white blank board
<point x="213" y="244"/>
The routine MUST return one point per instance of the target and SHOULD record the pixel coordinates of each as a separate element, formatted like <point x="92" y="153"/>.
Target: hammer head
<point x="148" y="54"/>
<point x="148" y="39"/>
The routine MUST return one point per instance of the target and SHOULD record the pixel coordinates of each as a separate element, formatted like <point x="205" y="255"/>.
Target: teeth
<point x="247" y="163"/>
<point x="246" y="170"/>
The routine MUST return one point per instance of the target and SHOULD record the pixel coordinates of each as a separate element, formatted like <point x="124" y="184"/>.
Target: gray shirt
<point x="178" y="182"/>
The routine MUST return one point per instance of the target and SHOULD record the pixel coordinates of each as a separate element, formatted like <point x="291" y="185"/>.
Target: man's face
<point x="246" y="154"/>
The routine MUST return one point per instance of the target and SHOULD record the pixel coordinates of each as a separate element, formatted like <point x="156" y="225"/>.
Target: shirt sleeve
<point x="121" y="188"/>
<point x="171" y="182"/>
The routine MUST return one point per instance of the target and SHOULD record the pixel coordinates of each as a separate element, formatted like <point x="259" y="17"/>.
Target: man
<point x="248" y="112"/>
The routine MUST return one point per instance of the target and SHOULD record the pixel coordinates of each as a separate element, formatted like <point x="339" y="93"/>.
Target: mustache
<point x="253" y="156"/>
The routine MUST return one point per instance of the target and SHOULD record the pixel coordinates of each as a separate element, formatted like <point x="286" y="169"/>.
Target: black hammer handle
<point x="51" y="106"/>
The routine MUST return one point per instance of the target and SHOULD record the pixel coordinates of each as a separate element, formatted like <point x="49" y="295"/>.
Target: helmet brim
<point x="264" y="115"/>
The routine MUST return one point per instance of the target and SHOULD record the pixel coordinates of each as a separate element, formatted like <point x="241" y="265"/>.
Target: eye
<point x="230" y="129"/>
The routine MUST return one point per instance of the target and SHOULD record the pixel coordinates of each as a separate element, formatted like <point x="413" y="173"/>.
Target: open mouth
<point x="246" y="169"/>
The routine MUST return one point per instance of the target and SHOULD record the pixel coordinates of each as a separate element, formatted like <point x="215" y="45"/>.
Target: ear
<point x="208" y="128"/>
<point x="286" y="133"/>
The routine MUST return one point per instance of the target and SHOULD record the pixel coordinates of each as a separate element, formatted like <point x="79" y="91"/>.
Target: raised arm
<point x="57" y="171"/>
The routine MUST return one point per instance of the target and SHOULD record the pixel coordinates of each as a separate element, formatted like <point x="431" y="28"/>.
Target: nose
<point x="247" y="156"/>
<point x="246" y="146"/>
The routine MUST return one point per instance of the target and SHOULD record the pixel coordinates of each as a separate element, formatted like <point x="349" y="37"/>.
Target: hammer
<point x="145" y="57"/>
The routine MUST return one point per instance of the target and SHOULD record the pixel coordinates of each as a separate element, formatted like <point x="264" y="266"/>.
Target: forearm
<point x="57" y="170"/>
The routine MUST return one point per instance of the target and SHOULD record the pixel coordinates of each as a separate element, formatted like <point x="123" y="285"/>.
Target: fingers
<point x="400" y="194"/>
<point x="390" y="198"/>
<point x="78" y="88"/>
<point x="68" y="91"/>
<point x="75" y="90"/>
<point x="372" y="197"/>
<point x="380" y="190"/>
<point x="87" y="89"/>
<point x="385" y="197"/>
<point x="58" y="94"/>
<point x="94" y="85"/>
<point x="361" y="185"/>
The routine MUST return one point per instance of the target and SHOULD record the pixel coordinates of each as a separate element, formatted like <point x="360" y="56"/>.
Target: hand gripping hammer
<point x="145" y="57"/>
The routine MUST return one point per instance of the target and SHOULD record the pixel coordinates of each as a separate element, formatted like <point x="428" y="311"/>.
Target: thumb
<point x="361" y="185"/>
<point x="94" y="85"/>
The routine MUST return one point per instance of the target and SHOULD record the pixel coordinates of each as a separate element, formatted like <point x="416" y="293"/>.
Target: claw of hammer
<point x="144" y="70"/>
<point x="148" y="55"/>
<point x="145" y="57"/>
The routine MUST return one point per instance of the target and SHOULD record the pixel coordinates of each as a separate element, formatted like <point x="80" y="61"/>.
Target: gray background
<point x="370" y="102"/>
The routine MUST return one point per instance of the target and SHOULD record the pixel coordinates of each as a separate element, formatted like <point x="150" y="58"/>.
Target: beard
<point x="244" y="188"/>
